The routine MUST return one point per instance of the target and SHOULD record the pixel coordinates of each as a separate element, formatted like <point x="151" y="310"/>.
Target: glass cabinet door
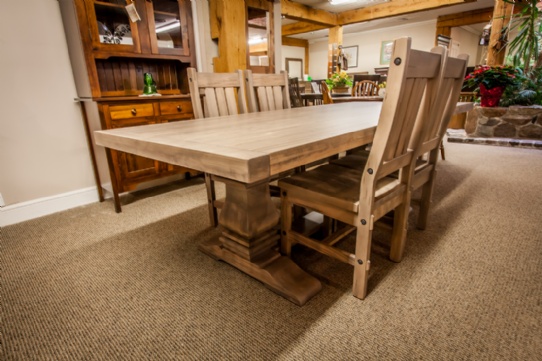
<point x="168" y="25"/>
<point x="110" y="25"/>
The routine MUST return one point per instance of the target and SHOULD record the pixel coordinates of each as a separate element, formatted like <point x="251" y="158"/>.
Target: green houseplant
<point x="527" y="26"/>
<point x="339" y="80"/>
<point x="525" y="52"/>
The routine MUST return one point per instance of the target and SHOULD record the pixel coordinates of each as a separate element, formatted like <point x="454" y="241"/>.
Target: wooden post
<point x="501" y="17"/>
<point x="228" y="25"/>
<point x="334" y="40"/>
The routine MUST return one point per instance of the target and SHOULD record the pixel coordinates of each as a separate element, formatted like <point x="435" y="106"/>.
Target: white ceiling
<point x="387" y="22"/>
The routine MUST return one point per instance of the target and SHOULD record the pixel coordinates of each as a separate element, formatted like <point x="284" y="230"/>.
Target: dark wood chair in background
<point x="296" y="100"/>
<point x="373" y="77"/>
<point x="326" y="93"/>
<point x="365" y="88"/>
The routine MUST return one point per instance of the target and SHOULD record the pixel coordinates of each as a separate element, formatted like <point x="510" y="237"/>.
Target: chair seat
<point x="357" y="161"/>
<point x="334" y="186"/>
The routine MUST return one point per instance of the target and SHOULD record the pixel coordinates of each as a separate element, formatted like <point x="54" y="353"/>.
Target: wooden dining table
<point x="246" y="150"/>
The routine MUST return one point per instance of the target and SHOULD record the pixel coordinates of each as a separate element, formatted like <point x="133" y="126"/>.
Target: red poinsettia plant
<point x="491" y="76"/>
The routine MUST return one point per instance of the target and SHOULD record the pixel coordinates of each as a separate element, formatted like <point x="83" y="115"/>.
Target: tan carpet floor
<point x="90" y="284"/>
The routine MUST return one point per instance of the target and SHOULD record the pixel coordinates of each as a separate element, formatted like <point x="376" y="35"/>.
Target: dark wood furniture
<point x="372" y="77"/>
<point x="110" y="52"/>
<point x="367" y="88"/>
<point x="295" y="93"/>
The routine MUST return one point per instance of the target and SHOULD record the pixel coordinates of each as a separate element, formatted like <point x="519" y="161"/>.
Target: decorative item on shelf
<point x="121" y="31"/>
<point x="339" y="82"/>
<point x="491" y="81"/>
<point x="149" y="89"/>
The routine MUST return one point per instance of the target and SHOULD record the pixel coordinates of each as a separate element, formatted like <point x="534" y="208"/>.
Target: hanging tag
<point x="132" y="13"/>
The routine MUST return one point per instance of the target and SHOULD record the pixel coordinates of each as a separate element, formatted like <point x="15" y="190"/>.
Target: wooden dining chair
<point x="358" y="198"/>
<point x="267" y="91"/>
<point x="429" y="138"/>
<point x="425" y="171"/>
<point x="326" y="93"/>
<point x="365" y="88"/>
<point x="295" y="93"/>
<point x="214" y="95"/>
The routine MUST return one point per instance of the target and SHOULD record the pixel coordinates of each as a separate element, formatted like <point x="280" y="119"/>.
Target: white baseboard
<point x="35" y="208"/>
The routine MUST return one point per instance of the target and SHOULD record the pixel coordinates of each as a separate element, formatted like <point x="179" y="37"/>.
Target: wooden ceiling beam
<point x="307" y="14"/>
<point x="301" y="27"/>
<point x="466" y="18"/>
<point x="393" y="8"/>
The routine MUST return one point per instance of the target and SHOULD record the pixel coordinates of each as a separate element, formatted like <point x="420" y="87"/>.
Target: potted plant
<point x="527" y="25"/>
<point x="525" y="52"/>
<point x="490" y="82"/>
<point x="339" y="82"/>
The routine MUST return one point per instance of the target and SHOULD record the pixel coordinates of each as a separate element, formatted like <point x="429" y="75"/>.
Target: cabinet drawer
<point x="131" y="111"/>
<point x="176" y="107"/>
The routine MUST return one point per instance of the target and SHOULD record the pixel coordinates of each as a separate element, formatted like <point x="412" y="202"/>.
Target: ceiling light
<point x="361" y="3"/>
<point x="257" y="40"/>
<point x="340" y="2"/>
<point x="170" y="26"/>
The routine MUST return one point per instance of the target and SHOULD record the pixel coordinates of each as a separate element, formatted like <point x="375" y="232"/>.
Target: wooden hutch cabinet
<point x="112" y="44"/>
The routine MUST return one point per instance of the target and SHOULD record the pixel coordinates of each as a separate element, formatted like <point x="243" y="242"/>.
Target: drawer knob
<point x="134" y="111"/>
<point x="179" y="109"/>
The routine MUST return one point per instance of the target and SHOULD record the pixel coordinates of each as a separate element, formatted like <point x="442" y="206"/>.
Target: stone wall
<point x="512" y="122"/>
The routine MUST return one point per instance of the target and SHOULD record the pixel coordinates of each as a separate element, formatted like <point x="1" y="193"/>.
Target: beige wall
<point x="43" y="149"/>
<point x="468" y="44"/>
<point x="368" y="42"/>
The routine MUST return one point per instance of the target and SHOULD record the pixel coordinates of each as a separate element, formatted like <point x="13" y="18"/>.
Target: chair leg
<point x="286" y="224"/>
<point x="211" y="197"/>
<point x="425" y="201"/>
<point x="362" y="261"/>
<point x="399" y="232"/>
<point x="443" y="156"/>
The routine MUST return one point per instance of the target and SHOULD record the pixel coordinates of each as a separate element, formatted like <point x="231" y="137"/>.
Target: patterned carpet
<point x="90" y="284"/>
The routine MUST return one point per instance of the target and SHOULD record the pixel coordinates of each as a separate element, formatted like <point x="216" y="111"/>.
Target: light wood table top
<point x="251" y="147"/>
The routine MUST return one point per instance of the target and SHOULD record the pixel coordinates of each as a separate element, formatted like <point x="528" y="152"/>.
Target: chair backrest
<point x="365" y="88"/>
<point x="374" y="77"/>
<point x="267" y="91"/>
<point x="413" y="79"/>
<point x="429" y="134"/>
<point x="326" y="93"/>
<point x="315" y="85"/>
<point x="223" y="93"/>
<point x="295" y="93"/>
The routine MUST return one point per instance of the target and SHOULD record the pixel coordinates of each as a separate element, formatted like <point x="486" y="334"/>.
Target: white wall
<point x="295" y="52"/>
<point x="43" y="148"/>
<point x="468" y="44"/>
<point x="369" y="42"/>
<point x="206" y="49"/>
